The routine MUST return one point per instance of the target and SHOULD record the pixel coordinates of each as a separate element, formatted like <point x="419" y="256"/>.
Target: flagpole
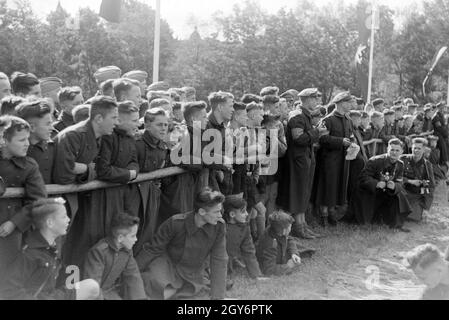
<point x="157" y="41"/>
<point x="448" y="89"/>
<point x="371" y="52"/>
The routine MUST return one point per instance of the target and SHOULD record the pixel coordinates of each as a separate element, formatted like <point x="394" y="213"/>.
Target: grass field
<point x="354" y="262"/>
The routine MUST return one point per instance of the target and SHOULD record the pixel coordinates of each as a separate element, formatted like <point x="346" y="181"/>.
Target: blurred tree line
<point x="309" y="46"/>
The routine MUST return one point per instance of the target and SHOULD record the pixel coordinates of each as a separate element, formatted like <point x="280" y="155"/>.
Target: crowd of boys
<point x="280" y="165"/>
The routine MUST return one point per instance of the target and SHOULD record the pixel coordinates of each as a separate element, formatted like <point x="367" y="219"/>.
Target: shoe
<point x="332" y="221"/>
<point x="313" y="233"/>
<point x="229" y="284"/>
<point x="324" y="222"/>
<point x="299" y="231"/>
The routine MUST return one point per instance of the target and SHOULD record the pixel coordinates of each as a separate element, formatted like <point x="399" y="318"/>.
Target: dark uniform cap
<point x="342" y="97"/>
<point x="432" y="138"/>
<point x="159" y="86"/>
<point x="310" y="92"/>
<point x="138" y="75"/>
<point x="290" y="93"/>
<point x="50" y="84"/>
<point x="359" y="101"/>
<point x="239" y="106"/>
<point x="253" y="105"/>
<point x="107" y="73"/>
<point x="377" y="101"/>
<point x="269" y="91"/>
<point x="388" y="112"/>
<point x="397" y="108"/>
<point x="397" y="102"/>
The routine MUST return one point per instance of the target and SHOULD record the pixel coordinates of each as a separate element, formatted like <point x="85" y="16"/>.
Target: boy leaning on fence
<point x="16" y="170"/>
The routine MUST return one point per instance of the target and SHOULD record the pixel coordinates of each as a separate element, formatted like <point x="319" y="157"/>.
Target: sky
<point x="178" y="13"/>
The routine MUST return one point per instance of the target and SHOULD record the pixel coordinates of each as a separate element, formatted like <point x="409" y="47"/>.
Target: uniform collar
<point x="42" y="144"/>
<point x="19" y="162"/>
<point x="192" y="227"/>
<point x="306" y="112"/>
<point x="214" y="122"/>
<point x="121" y="132"/>
<point x="35" y="240"/>
<point x="154" y="142"/>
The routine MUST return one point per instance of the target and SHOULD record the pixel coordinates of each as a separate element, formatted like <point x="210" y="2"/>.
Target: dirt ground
<point x="356" y="263"/>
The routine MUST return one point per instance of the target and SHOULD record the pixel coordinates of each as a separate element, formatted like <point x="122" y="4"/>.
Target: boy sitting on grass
<point x="432" y="267"/>
<point x="32" y="276"/>
<point x="111" y="262"/>
<point x="239" y="243"/>
<point x="277" y="252"/>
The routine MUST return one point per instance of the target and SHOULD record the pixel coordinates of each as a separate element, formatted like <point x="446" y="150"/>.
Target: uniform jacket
<point x="188" y="247"/>
<point x="118" y="155"/>
<point x="33" y="274"/>
<point x="239" y="243"/>
<point x="44" y="154"/>
<point x="273" y="253"/>
<point x="115" y="270"/>
<point x="79" y="144"/>
<point x="421" y="170"/>
<point x="20" y="173"/>
<point x="331" y="183"/>
<point x="297" y="175"/>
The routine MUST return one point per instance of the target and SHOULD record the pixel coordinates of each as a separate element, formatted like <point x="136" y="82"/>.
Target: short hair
<point x="9" y="104"/>
<point x="68" y="93"/>
<point x="207" y="199"/>
<point x="377" y="114"/>
<point x="122" y="86"/>
<point x="423" y="256"/>
<point x="22" y="82"/>
<point x="41" y="209"/>
<point x="233" y="202"/>
<point x="422" y="141"/>
<point x="127" y="107"/>
<point x="33" y="109"/>
<point x="191" y="108"/>
<point x="81" y="112"/>
<point x="239" y="106"/>
<point x="396" y="142"/>
<point x="151" y="114"/>
<point x="270" y="99"/>
<point x="216" y="98"/>
<point x="107" y="85"/>
<point x="102" y="105"/>
<point x="16" y="125"/>
<point x="249" y="97"/>
<point x="177" y="106"/>
<point x="157" y="103"/>
<point x="355" y="113"/>
<point x="122" y="223"/>
<point x="280" y="220"/>
<point x="269" y="91"/>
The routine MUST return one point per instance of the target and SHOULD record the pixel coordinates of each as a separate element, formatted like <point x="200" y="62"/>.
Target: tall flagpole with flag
<point x="157" y="41"/>
<point x="371" y="53"/>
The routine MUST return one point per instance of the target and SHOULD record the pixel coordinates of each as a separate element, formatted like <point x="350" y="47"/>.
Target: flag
<point x="110" y="10"/>
<point x="361" y="60"/>
<point x="434" y="63"/>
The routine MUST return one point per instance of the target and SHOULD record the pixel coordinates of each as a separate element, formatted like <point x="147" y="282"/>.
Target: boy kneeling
<point x="277" y="252"/>
<point x="239" y="243"/>
<point x="111" y="262"/>
<point x="33" y="274"/>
